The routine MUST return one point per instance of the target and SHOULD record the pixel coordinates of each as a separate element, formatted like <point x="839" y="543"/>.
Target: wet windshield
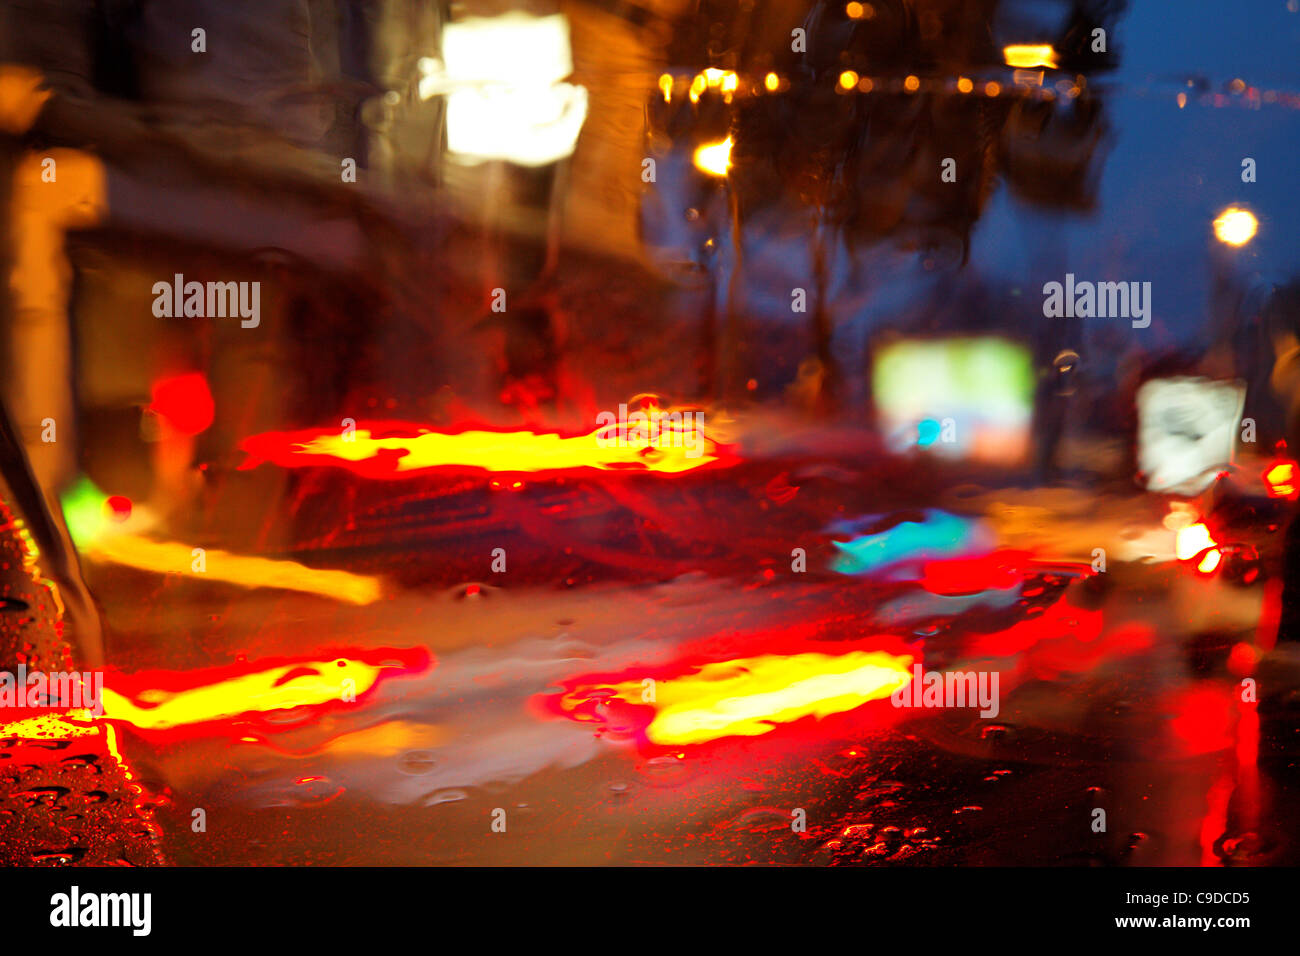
<point x="687" y="432"/>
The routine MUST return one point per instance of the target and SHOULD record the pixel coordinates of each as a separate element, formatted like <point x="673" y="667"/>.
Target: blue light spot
<point x="939" y="535"/>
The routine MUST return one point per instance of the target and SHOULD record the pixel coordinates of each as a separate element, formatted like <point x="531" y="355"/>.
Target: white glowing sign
<point x="1187" y="430"/>
<point x="506" y="98"/>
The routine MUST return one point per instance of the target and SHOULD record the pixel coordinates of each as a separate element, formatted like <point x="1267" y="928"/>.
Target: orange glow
<point x="1180" y="516"/>
<point x="22" y="97"/>
<point x="714" y="158"/>
<point x="771" y="82"/>
<point x="136" y="551"/>
<point x="184" y="703"/>
<point x="666" y="85"/>
<point x="725" y="81"/>
<point x="39" y="279"/>
<point x="389" y="739"/>
<point x="400" y="450"/>
<point x="992" y="88"/>
<point x="1280" y="479"/>
<point x="48" y="726"/>
<point x="1194" y="540"/>
<point x="1030" y="55"/>
<point x="277" y="688"/>
<point x="747" y="696"/>
<point x="1211" y="561"/>
<point x="964" y="85"/>
<point x="168" y="701"/>
<point x="40" y="740"/>
<point x="848" y="79"/>
<point x="912" y="84"/>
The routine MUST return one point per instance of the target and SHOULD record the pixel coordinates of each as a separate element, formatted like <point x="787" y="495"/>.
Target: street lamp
<point x="1235" y="227"/>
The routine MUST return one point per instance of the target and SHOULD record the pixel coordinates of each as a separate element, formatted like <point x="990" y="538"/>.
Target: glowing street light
<point x="1028" y="56"/>
<point x="1235" y="227"/>
<point x="714" y="158"/>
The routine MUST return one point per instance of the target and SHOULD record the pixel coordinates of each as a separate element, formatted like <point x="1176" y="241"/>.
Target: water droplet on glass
<point x="417" y="762"/>
<point x="445" y="796"/>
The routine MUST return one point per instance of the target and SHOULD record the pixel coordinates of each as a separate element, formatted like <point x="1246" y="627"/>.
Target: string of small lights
<point x="1017" y="81"/>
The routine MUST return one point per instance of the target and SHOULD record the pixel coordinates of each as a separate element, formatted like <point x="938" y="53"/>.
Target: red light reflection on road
<point x="998" y="570"/>
<point x="222" y="701"/>
<point x="219" y="700"/>
<point x="696" y="701"/>
<point x="392" y="450"/>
